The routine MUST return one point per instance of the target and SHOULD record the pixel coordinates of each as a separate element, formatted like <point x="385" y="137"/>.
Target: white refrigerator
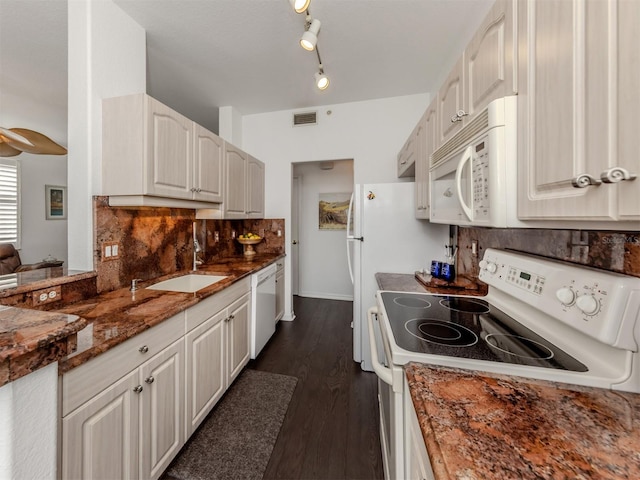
<point x="384" y="236"/>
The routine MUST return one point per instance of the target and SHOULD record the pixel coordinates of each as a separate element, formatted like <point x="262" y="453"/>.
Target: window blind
<point x="9" y="202"/>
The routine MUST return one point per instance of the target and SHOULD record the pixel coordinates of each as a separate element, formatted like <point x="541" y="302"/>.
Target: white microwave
<point x="472" y="177"/>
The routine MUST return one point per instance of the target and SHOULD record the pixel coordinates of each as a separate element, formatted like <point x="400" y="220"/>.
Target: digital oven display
<point x="525" y="276"/>
<point x="479" y="147"/>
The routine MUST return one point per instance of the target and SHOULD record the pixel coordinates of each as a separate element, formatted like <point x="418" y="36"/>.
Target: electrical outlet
<point x="233" y="234"/>
<point x="261" y="232"/>
<point x="110" y="251"/>
<point x="48" y="295"/>
<point x="279" y="233"/>
<point x="216" y="237"/>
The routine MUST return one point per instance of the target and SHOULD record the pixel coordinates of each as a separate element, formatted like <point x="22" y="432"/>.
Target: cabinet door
<point x="208" y="180"/>
<point x="169" y="152"/>
<point x="451" y="101"/>
<point x="575" y="109"/>
<point x="100" y="438"/>
<point x="235" y="194"/>
<point x="627" y="107"/>
<point x="422" y="168"/>
<point x="205" y="358"/>
<point x="238" y="338"/>
<point x="490" y="59"/>
<point x="161" y="410"/>
<point x="407" y="158"/>
<point x="255" y="188"/>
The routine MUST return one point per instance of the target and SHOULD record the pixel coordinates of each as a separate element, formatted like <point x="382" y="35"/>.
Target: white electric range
<point x="540" y="319"/>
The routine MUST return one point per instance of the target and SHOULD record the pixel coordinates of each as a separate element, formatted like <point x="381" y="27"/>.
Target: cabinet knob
<point x="143" y="349"/>
<point x="585" y="180"/>
<point x="149" y="379"/>
<point x="448" y="193"/>
<point x="193" y="189"/>
<point x="617" y="174"/>
<point x="138" y="389"/>
<point x="458" y="116"/>
<point x="198" y="190"/>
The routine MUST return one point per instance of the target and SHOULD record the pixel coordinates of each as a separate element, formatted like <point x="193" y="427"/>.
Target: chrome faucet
<point x="196" y="249"/>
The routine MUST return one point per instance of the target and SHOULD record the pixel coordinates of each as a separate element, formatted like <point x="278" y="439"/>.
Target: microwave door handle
<point x="466" y="157"/>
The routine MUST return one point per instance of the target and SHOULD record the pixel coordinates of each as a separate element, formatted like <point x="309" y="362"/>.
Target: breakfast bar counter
<point x="485" y="426"/>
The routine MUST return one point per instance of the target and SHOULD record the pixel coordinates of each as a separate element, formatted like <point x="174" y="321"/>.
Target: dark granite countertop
<point x="484" y="426"/>
<point x="116" y="316"/>
<point x="31" y="339"/>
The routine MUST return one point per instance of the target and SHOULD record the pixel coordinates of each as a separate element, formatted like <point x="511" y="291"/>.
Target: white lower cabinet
<point x="417" y="464"/>
<point x="128" y="412"/>
<point x="217" y="346"/>
<point x="101" y="438"/>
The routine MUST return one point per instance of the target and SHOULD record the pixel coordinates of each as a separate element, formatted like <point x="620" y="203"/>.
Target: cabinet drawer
<point x="210" y="306"/>
<point x="87" y="380"/>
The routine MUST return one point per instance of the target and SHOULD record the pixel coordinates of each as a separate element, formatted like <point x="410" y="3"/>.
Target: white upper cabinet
<point x="421" y="133"/>
<point x="487" y="70"/>
<point x="579" y="77"/>
<point x="407" y="158"/>
<point x="208" y="166"/>
<point x="255" y="188"/>
<point x="244" y="189"/>
<point x="490" y="59"/>
<point x="451" y="103"/>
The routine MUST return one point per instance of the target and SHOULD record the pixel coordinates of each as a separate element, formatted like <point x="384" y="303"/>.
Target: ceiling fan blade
<point x="7" y="135"/>
<point x="8" y="150"/>
<point x="40" y="144"/>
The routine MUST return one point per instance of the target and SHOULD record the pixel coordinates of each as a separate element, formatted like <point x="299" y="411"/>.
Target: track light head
<point x="310" y="37"/>
<point x="300" y="5"/>
<point x="322" y="81"/>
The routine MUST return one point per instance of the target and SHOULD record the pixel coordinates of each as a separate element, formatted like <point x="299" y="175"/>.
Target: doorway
<point x="319" y="255"/>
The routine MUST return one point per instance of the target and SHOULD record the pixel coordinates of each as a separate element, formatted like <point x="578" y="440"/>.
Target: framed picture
<point x="55" y="202"/>
<point x="332" y="211"/>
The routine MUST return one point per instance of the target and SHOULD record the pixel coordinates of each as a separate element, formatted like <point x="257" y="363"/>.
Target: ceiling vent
<point x="307" y="118"/>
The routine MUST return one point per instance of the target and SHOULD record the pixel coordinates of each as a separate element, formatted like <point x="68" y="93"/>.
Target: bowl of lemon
<point x="248" y="240"/>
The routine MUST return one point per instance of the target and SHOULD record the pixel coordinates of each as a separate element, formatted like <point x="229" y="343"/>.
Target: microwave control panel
<point x="480" y="179"/>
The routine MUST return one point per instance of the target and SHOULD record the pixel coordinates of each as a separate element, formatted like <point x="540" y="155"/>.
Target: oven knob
<point x="488" y="266"/>
<point x="566" y="296"/>
<point x="588" y="304"/>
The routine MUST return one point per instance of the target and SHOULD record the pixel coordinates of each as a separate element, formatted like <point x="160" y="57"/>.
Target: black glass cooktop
<point x="469" y="327"/>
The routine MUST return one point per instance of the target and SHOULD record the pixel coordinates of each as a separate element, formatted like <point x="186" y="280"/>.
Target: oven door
<point x="390" y="400"/>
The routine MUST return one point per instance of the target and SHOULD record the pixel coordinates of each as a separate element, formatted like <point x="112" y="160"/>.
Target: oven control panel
<point x="603" y="305"/>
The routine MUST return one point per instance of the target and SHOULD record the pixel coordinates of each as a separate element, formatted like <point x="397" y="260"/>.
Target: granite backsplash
<point x="613" y="251"/>
<point x="158" y="241"/>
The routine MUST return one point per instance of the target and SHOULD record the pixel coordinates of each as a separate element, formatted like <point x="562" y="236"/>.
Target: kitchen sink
<point x="187" y="283"/>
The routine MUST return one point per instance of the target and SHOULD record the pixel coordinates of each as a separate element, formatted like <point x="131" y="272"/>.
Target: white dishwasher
<point x="263" y="308"/>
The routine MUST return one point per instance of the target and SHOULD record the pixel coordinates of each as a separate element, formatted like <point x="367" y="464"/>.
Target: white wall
<point x="323" y="271"/>
<point x="107" y="58"/>
<point x="371" y="133"/>
<point x="40" y="237"/>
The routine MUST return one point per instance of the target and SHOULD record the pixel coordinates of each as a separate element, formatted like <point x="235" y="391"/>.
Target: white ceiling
<point x="205" y="54"/>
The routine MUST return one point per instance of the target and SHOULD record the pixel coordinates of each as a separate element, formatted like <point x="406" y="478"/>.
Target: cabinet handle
<point x="193" y="189"/>
<point x="617" y="174"/>
<point x="198" y="190"/>
<point x="231" y="317"/>
<point x="149" y="380"/>
<point x="143" y="349"/>
<point x="138" y="389"/>
<point x="448" y="193"/>
<point x="585" y="180"/>
<point x="458" y="116"/>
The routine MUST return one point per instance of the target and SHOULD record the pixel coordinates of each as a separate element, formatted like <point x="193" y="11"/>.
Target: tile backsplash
<point x="614" y="251"/>
<point x="151" y="242"/>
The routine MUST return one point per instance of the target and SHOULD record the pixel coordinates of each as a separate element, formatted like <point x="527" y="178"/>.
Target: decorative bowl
<point x="248" y="244"/>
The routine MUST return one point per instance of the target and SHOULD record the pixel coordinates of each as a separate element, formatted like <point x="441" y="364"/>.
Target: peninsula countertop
<point x="31" y="339"/>
<point x="484" y="426"/>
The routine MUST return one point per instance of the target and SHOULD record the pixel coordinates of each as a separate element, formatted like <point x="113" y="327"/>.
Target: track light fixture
<point x="309" y="40"/>
<point x="310" y="36"/>
<point x="300" y="5"/>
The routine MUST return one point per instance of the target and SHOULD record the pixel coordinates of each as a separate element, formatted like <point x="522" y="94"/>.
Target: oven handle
<point x="466" y="157"/>
<point x="382" y="372"/>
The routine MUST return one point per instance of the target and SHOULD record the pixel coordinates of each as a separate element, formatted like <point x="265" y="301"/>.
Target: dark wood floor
<point x="331" y="427"/>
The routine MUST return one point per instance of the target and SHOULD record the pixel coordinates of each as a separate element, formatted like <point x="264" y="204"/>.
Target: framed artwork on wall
<point x="55" y="202"/>
<point x="332" y="211"/>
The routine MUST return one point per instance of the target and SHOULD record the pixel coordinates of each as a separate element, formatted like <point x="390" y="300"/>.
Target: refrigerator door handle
<point x="349" y="215"/>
